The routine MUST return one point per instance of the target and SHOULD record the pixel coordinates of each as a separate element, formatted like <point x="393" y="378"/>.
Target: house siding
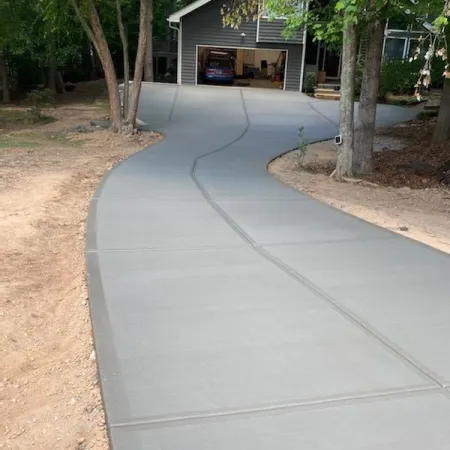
<point x="204" y="27"/>
<point x="271" y="31"/>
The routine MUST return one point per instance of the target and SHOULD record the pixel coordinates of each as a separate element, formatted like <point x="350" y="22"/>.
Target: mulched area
<point x="419" y="165"/>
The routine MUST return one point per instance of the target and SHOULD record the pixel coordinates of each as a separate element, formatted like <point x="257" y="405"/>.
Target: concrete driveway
<point x="233" y="313"/>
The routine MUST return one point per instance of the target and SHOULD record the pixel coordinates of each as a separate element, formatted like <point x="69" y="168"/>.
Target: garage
<point x="243" y="67"/>
<point x="257" y="54"/>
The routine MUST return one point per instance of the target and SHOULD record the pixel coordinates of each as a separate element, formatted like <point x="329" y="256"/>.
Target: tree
<point x="87" y="12"/>
<point x="13" y="38"/>
<point x="90" y="21"/>
<point x="144" y="23"/>
<point x="347" y="104"/>
<point x="365" y="134"/>
<point x="442" y="130"/>
<point x="148" y="66"/>
<point x="126" y="58"/>
<point x="441" y="28"/>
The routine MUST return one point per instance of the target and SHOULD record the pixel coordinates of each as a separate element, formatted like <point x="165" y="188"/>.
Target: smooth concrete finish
<point x="232" y="312"/>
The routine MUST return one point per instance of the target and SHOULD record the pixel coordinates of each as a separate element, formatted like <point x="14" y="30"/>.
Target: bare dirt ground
<point x="49" y="391"/>
<point x="403" y="194"/>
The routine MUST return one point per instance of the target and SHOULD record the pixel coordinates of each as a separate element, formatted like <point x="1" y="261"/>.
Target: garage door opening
<point x="242" y="67"/>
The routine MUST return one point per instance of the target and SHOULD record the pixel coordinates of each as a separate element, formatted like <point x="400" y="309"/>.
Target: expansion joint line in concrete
<point x="323" y="115"/>
<point x="347" y="314"/>
<point x="252" y="411"/>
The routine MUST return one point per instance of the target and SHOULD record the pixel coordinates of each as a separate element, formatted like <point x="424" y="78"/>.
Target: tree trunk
<point x="148" y="66"/>
<point x="365" y="133"/>
<point x="126" y="60"/>
<point x="4" y="78"/>
<point x="52" y="67"/>
<point x="144" y="21"/>
<point x="104" y="54"/>
<point x="347" y="103"/>
<point x="442" y="130"/>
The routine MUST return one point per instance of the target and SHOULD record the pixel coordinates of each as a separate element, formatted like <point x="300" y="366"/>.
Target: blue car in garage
<point x="219" y="68"/>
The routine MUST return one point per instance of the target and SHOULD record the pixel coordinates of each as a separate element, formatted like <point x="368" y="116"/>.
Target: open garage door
<point x="245" y="67"/>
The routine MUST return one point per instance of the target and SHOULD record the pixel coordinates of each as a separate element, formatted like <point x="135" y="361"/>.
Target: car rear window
<point x="219" y="63"/>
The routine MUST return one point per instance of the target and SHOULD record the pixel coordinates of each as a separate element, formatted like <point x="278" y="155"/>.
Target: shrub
<point x="38" y="99"/>
<point x="399" y="77"/>
<point x="310" y="82"/>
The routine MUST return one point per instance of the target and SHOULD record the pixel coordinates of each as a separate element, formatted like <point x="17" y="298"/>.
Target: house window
<point x="395" y="48"/>
<point x="399" y="24"/>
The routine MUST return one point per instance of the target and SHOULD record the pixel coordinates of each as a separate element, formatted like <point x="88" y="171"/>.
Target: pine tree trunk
<point x="104" y="54"/>
<point x="442" y="130"/>
<point x="148" y="67"/>
<point x="4" y="78"/>
<point x="365" y="133"/>
<point x="144" y="21"/>
<point x="126" y="60"/>
<point x="347" y="103"/>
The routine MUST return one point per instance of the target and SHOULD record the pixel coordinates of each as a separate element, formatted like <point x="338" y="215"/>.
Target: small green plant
<point x="38" y="99"/>
<point x="310" y="82"/>
<point x="302" y="148"/>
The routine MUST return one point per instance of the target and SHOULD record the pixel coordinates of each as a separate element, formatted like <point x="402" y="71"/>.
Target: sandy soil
<point x="49" y="391"/>
<point x="420" y="214"/>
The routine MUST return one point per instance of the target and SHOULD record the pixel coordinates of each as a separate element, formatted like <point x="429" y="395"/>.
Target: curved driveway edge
<point x="232" y="312"/>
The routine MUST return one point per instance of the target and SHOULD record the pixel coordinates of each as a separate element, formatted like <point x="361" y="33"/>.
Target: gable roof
<point x="175" y="17"/>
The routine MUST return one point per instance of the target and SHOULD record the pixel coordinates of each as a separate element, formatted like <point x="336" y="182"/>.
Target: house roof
<point x="175" y="17"/>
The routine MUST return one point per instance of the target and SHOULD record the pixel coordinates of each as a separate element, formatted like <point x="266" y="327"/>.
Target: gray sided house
<point x="200" y="27"/>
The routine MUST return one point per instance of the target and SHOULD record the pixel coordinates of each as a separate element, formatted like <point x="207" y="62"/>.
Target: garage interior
<point x="258" y="68"/>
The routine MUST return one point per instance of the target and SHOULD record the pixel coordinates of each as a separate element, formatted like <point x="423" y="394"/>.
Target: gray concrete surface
<point x="231" y="312"/>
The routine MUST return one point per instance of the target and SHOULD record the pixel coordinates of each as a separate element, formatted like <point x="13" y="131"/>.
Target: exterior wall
<point x="204" y="27"/>
<point x="272" y="31"/>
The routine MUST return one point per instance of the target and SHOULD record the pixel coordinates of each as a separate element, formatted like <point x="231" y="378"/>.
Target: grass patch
<point x="22" y="117"/>
<point x="16" y="142"/>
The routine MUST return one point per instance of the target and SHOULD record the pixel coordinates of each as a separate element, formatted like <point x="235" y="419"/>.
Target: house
<point x="260" y="52"/>
<point x="402" y="38"/>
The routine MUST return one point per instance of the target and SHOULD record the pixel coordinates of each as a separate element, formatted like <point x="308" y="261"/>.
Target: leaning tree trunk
<point x="365" y="133"/>
<point x="442" y="130"/>
<point x="148" y="66"/>
<point x="144" y="21"/>
<point x="94" y="31"/>
<point x="4" y="78"/>
<point x="347" y="103"/>
<point x="104" y="54"/>
<point x="126" y="59"/>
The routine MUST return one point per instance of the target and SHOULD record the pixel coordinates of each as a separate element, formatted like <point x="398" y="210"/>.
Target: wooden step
<point x="326" y="91"/>
<point x="330" y="95"/>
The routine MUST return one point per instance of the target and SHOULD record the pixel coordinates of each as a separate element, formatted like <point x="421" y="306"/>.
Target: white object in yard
<point x="338" y="140"/>
<point x="140" y="123"/>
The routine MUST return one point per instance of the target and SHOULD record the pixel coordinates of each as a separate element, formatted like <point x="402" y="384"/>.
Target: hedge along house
<point x="258" y="47"/>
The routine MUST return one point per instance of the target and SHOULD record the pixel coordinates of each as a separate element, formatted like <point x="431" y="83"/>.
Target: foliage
<point x="310" y="82"/>
<point x="302" y="148"/>
<point x="38" y="99"/>
<point x="399" y="77"/>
